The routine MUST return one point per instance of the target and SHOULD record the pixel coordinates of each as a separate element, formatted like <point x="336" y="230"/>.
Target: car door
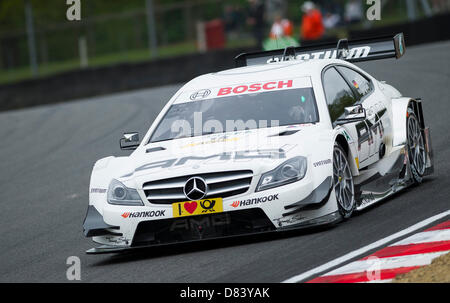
<point x="339" y="94"/>
<point x="375" y="111"/>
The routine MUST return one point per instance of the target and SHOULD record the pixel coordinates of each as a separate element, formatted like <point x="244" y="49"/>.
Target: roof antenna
<point x="289" y="52"/>
<point x="342" y="52"/>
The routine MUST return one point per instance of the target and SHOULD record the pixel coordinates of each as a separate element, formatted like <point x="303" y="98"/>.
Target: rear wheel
<point x="416" y="147"/>
<point x="343" y="182"/>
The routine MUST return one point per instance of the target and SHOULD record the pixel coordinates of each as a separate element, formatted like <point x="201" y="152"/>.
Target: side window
<point x="337" y="92"/>
<point x="361" y="84"/>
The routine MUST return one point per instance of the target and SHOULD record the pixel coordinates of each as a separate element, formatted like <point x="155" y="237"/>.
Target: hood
<point x="259" y="150"/>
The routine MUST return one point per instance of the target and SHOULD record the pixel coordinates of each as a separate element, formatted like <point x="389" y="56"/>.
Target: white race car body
<point x="232" y="163"/>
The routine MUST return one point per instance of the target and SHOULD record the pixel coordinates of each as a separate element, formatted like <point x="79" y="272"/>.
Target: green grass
<point x="23" y="73"/>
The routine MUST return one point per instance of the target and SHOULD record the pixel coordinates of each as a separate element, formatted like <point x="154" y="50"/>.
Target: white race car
<point x="290" y="138"/>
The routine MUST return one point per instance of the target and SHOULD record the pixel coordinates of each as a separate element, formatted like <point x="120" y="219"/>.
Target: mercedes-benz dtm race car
<point x="288" y="139"/>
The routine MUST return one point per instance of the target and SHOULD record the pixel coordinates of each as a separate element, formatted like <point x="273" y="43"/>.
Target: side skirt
<point x="381" y="185"/>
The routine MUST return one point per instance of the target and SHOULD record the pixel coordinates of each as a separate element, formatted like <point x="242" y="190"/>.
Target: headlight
<point x="119" y="194"/>
<point x="290" y="171"/>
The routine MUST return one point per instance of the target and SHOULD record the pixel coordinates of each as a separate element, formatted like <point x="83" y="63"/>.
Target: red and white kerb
<point x="382" y="266"/>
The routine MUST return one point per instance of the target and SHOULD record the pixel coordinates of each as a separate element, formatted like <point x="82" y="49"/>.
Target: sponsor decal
<point x="367" y="198"/>
<point x="253" y="201"/>
<point x="226" y="156"/>
<point x="367" y="130"/>
<point x="301" y="125"/>
<point x="144" y="214"/>
<point x="199" y="207"/>
<point x="201" y="94"/>
<point x="400" y="46"/>
<point x="255" y="87"/>
<point x="347" y="136"/>
<point x="199" y="223"/>
<point x="289" y="220"/>
<point x="98" y="190"/>
<point x="230" y="90"/>
<point x="213" y="140"/>
<point x="322" y="162"/>
<point x="353" y="53"/>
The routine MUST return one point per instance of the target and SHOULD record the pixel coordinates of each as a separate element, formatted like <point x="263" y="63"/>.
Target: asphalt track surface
<point x="47" y="154"/>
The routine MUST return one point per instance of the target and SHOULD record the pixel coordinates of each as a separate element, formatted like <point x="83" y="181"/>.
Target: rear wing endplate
<point x="352" y="51"/>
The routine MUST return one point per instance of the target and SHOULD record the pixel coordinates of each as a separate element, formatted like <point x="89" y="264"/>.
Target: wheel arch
<point x="340" y="139"/>
<point x="400" y="107"/>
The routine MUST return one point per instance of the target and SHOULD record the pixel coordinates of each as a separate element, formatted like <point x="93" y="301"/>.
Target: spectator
<point x="288" y="27"/>
<point x="281" y="27"/>
<point x="256" y="20"/>
<point x="277" y="28"/>
<point x="331" y="20"/>
<point x="312" y="26"/>
<point x="280" y="34"/>
<point x="231" y="20"/>
<point x="353" y="11"/>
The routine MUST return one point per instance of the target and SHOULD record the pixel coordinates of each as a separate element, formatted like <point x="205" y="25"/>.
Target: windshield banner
<point x="242" y="88"/>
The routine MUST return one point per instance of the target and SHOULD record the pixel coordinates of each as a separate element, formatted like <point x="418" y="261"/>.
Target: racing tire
<point x="343" y="184"/>
<point x="416" y="147"/>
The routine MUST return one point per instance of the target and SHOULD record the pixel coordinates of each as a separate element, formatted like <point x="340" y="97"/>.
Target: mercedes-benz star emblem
<point x="195" y="188"/>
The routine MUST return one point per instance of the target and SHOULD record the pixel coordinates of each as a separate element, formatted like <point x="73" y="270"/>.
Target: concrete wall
<point x="103" y="80"/>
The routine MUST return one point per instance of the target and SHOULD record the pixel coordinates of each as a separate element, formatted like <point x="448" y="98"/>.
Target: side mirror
<point x="352" y="114"/>
<point x="129" y="141"/>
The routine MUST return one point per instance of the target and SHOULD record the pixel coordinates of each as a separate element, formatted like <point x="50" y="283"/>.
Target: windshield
<point x="237" y="112"/>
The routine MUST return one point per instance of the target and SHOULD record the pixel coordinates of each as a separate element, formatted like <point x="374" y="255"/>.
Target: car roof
<point x="259" y="73"/>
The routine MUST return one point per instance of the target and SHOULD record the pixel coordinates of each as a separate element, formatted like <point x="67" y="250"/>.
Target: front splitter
<point x="329" y="219"/>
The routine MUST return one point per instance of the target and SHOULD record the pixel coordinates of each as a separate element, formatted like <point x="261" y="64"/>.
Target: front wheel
<point x="343" y="183"/>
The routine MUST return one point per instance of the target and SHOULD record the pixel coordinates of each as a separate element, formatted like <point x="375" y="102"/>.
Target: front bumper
<point x="181" y="230"/>
<point x="94" y="225"/>
<point x="292" y="210"/>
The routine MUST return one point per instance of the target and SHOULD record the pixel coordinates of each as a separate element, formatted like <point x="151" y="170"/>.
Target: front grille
<point x="220" y="185"/>
<point x="202" y="227"/>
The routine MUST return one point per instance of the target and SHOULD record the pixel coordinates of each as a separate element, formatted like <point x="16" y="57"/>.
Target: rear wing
<point x="352" y="51"/>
